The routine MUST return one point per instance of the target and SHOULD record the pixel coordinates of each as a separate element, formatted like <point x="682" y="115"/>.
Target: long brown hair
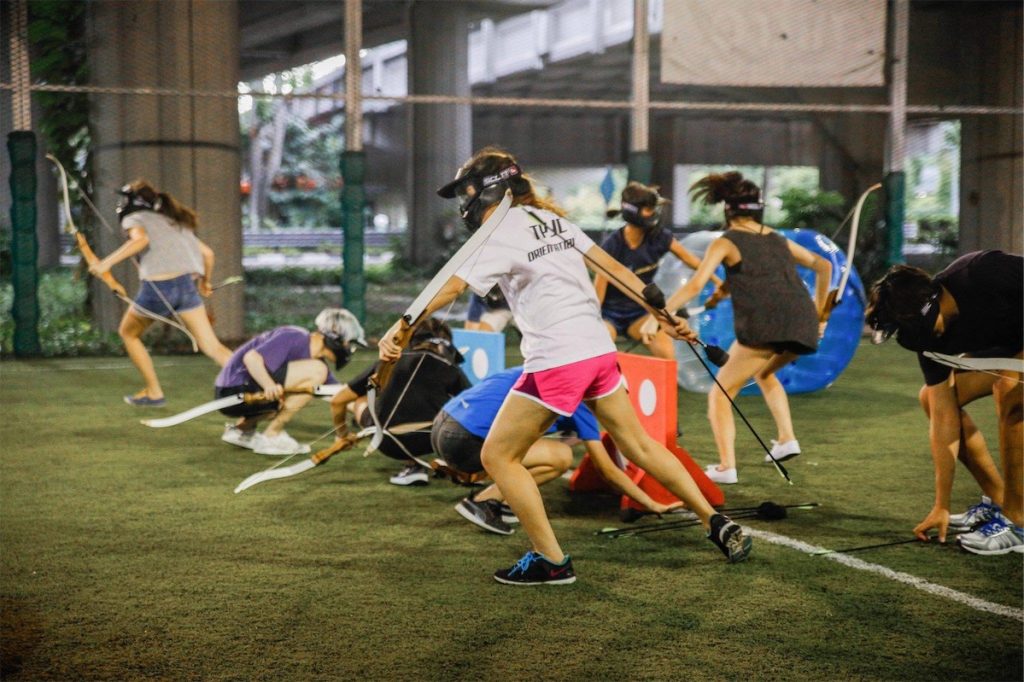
<point x="165" y="203"/>
<point x="736" y="191"/>
<point x="491" y="159"/>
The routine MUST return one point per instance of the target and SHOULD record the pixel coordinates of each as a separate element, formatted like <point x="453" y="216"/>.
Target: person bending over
<point x="462" y="425"/>
<point x="775" y="320"/>
<point x="974" y="306"/>
<point x="285" y="363"/>
<point x="537" y="256"/>
<point x="175" y="269"/>
<point x="639" y="245"/>
<point x="426" y="376"/>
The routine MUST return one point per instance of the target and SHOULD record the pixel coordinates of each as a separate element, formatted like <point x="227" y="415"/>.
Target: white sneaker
<point x="975" y="517"/>
<point x="783" y="451"/>
<point x="412" y="474"/>
<point x="236" y="436"/>
<point x="997" y="536"/>
<point x="281" y="444"/>
<point x="727" y="477"/>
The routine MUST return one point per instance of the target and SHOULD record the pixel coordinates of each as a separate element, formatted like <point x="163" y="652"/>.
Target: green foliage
<point x="811" y="209"/>
<point x="64" y="327"/>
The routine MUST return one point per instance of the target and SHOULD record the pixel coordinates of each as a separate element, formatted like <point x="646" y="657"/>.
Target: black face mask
<point x="131" y="201"/>
<point x="633" y="215"/>
<point x="474" y="202"/>
<point x="341" y="350"/>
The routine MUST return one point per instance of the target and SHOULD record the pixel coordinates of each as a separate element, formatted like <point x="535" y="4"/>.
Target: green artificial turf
<point x="124" y="554"/>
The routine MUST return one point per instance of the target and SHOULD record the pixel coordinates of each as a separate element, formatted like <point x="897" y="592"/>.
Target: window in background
<point x="773" y="180"/>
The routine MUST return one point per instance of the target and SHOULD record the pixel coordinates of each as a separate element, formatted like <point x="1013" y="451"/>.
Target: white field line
<point x="898" y="576"/>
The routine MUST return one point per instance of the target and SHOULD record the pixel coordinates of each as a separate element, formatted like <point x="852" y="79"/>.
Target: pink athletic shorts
<point x="561" y="389"/>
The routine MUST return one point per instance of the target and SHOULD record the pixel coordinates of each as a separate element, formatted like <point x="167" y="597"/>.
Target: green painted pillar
<point x="895" y="209"/>
<point x="353" y="198"/>
<point x="21" y="145"/>
<point x="640" y="167"/>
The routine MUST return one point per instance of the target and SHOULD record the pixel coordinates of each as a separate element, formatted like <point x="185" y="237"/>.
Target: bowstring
<point x="447" y="312"/>
<point x="138" y="267"/>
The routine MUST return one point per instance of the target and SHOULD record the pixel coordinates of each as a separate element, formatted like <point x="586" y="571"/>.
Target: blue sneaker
<point x="535" y="569"/>
<point x="975" y="517"/>
<point x="998" y="536"/>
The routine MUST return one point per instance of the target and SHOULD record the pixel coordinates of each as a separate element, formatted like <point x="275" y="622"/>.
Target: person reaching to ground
<point x="175" y="269"/>
<point x="538" y="259"/>
<point x="775" y="318"/>
<point x="285" y="363"/>
<point x="462" y="425"/>
<point x="974" y="306"/>
<point x="424" y="379"/>
<point x="640" y="245"/>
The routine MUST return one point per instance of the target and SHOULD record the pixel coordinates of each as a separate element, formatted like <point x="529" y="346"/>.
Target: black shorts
<point x="459" y="448"/>
<point x="251" y="409"/>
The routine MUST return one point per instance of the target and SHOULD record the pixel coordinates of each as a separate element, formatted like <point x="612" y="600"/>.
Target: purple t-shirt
<point x="278" y="347"/>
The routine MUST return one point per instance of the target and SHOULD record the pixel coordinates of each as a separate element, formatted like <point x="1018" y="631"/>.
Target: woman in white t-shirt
<point x="536" y="257"/>
<point x="174" y="270"/>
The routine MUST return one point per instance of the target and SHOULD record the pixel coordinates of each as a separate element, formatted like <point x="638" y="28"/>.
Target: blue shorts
<point x="477" y="307"/>
<point x="180" y="293"/>
<point x="621" y="319"/>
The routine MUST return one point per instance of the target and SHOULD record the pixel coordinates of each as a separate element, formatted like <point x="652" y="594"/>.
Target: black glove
<point x="654" y="296"/>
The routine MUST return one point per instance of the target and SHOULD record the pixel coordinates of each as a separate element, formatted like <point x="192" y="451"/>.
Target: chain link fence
<point x="239" y="109"/>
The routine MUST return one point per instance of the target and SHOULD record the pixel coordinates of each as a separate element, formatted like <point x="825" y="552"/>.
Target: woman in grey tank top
<point x="175" y="268"/>
<point x="775" y="319"/>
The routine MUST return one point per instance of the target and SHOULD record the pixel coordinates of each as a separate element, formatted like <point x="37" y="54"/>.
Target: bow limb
<point x="342" y="443"/>
<point x="977" y="364"/>
<point x="835" y="297"/>
<point x="83" y="246"/>
<point x="401" y="333"/>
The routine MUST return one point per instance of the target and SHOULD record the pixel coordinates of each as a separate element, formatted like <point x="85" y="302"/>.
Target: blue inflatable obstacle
<point x="809" y="372"/>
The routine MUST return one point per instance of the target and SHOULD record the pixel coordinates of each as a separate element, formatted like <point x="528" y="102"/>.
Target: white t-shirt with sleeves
<point x="532" y="256"/>
<point x="173" y="249"/>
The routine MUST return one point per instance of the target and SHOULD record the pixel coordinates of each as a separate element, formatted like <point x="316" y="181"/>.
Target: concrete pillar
<point x="992" y="170"/>
<point x="184" y="145"/>
<point x="439" y="135"/>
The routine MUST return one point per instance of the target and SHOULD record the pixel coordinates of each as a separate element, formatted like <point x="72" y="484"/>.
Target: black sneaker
<point x="534" y="569"/>
<point x="485" y="514"/>
<point x="412" y="474"/>
<point x="729" y="537"/>
<point x="507" y="515"/>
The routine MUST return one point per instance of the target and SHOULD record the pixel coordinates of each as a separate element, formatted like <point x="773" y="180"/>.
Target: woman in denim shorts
<point x="175" y="268"/>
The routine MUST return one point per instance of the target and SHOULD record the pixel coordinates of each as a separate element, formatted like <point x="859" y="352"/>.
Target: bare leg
<point x="546" y="460"/>
<point x="775" y="395"/>
<point x="1009" y="395"/>
<point x="131" y="329"/>
<point x="743" y="363"/>
<point x="973" y="451"/>
<point x="518" y="425"/>
<point x="616" y="414"/>
<point x="302" y="374"/>
<point x="660" y="345"/>
<point x="199" y="324"/>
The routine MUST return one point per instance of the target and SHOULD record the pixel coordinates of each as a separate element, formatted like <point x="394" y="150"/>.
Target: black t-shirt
<point x="643" y="260"/>
<point x="988" y="287"/>
<point x="434" y="383"/>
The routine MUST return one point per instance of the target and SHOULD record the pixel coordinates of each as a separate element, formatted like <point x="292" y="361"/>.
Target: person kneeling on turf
<point x="285" y="363"/>
<point x="462" y="425"/>
<point x="425" y="377"/>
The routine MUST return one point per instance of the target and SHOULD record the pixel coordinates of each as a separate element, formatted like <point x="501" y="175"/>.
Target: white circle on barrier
<point x="480" y="363"/>
<point x="648" y="397"/>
